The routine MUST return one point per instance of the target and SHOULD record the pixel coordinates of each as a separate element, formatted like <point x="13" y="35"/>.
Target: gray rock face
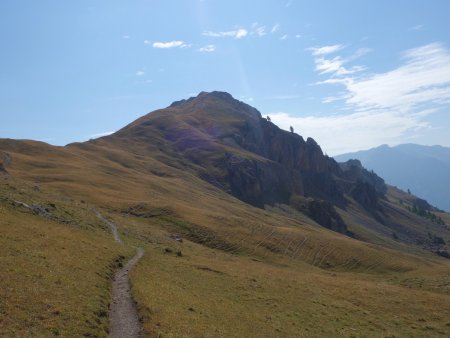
<point x="260" y="183"/>
<point x="230" y="145"/>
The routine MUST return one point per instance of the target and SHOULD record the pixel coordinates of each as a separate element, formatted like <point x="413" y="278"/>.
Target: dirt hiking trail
<point x="123" y="315"/>
<point x="112" y="225"/>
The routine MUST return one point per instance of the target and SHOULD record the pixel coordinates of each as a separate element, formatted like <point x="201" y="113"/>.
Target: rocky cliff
<point x="229" y="144"/>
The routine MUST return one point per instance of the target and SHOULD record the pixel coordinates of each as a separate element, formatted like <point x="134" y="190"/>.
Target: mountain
<point x="424" y="170"/>
<point x="239" y="221"/>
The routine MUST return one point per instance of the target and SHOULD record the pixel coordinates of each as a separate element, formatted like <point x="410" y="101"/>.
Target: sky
<point x="352" y="74"/>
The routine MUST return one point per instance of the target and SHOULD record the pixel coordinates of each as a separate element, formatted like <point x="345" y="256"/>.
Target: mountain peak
<point x="216" y="100"/>
<point x="217" y="95"/>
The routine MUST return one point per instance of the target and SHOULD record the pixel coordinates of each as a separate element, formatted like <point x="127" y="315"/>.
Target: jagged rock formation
<point x="229" y="144"/>
<point x="320" y="211"/>
<point x="365" y="187"/>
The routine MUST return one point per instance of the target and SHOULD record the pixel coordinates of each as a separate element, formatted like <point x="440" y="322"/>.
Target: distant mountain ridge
<point x="424" y="170"/>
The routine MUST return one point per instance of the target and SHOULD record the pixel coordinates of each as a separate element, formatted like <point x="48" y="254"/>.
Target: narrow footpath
<point x="123" y="314"/>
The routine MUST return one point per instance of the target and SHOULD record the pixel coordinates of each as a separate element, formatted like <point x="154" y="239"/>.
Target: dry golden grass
<point x="246" y="271"/>
<point x="55" y="278"/>
<point x="209" y="293"/>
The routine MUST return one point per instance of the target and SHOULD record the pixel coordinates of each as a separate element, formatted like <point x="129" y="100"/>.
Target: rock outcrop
<point x="229" y="144"/>
<point x="323" y="212"/>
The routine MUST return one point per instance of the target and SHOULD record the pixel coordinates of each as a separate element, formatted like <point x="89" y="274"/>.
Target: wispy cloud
<point x="168" y="44"/>
<point x="335" y="65"/>
<point x="284" y="37"/>
<point x="388" y="107"/>
<point x="140" y="73"/>
<point x="325" y="49"/>
<point x="423" y="78"/>
<point x="237" y="34"/>
<point x="275" y="28"/>
<point x="258" y="29"/>
<point x="416" y="27"/>
<point x="208" y="48"/>
<point x="125" y="37"/>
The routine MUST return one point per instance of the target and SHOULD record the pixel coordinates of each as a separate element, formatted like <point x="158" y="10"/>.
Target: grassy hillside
<point x="258" y="269"/>
<point x="55" y="273"/>
<point x="213" y="265"/>
<point x="201" y="291"/>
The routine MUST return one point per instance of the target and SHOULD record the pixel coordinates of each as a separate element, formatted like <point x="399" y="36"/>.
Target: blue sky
<point x="351" y="74"/>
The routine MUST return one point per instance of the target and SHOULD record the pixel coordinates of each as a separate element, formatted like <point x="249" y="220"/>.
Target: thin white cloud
<point x="335" y="65"/>
<point x="169" y="44"/>
<point x="284" y="37"/>
<point x="298" y="36"/>
<point x="237" y="34"/>
<point x="258" y="29"/>
<point x="140" y="73"/>
<point x="240" y="33"/>
<point x="208" y="48"/>
<point x="326" y="49"/>
<point x="329" y="99"/>
<point x="389" y="107"/>
<point x="125" y="37"/>
<point x="255" y="29"/>
<point x="359" y="53"/>
<point x="275" y="28"/>
<point x="416" y="27"/>
<point x="423" y="78"/>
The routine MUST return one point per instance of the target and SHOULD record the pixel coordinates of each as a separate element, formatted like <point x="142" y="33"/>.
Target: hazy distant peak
<point x="424" y="170"/>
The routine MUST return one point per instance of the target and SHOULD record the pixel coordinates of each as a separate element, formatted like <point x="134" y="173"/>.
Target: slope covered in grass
<point x="55" y="275"/>
<point x="270" y="270"/>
